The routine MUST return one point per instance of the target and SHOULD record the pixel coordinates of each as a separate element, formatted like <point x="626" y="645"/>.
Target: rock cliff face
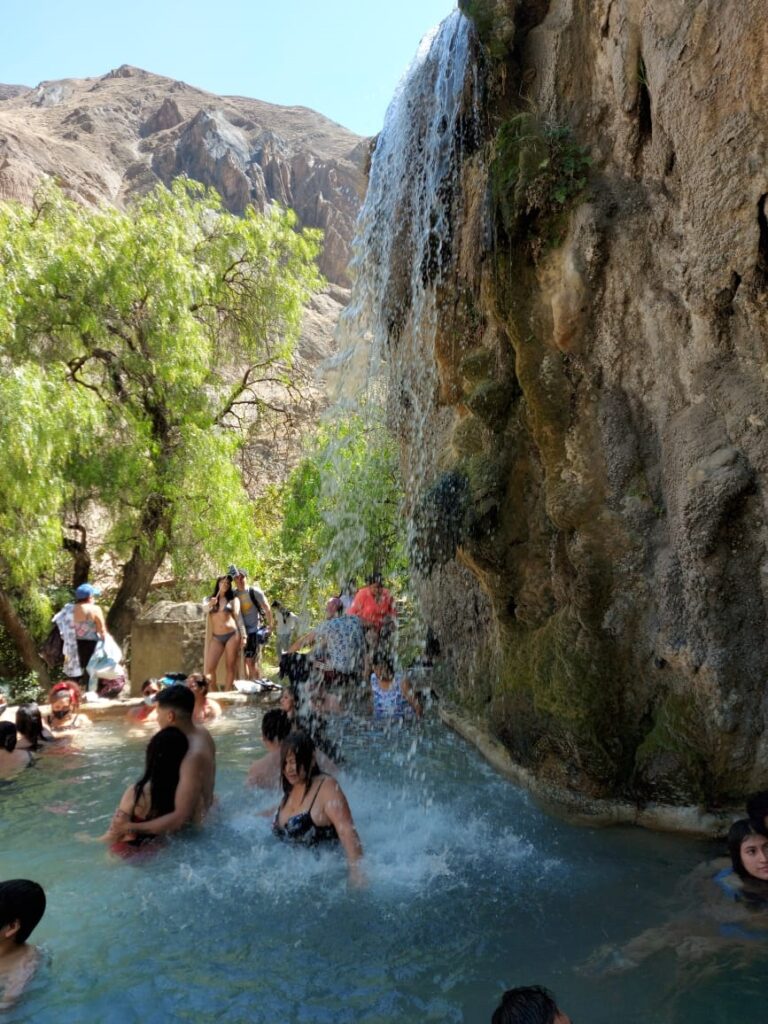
<point x="108" y="138"/>
<point x="576" y="317"/>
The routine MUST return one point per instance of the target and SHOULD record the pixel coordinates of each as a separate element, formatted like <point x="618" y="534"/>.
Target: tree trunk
<point x="23" y="639"/>
<point x="81" y="558"/>
<point x="140" y="569"/>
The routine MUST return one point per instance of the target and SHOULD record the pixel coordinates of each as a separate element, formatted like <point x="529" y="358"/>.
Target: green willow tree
<point x="339" y="514"/>
<point x="167" y="317"/>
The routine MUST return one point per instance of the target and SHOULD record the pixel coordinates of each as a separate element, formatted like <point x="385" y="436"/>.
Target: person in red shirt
<point x="375" y="607"/>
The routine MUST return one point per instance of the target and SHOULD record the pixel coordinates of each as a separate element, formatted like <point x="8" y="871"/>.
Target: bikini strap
<point x="309" y="810"/>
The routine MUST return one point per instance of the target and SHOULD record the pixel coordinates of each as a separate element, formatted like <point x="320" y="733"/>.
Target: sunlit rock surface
<point x="578" y="369"/>
<point x="111" y="137"/>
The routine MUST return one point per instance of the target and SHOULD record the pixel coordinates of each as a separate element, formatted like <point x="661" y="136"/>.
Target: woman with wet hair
<point x="154" y="795"/>
<point x="12" y="760"/>
<point x="314" y="810"/>
<point x="747" y="877"/>
<point x="30" y="729"/>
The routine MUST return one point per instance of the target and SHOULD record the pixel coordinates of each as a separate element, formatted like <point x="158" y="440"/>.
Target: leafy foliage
<point x="137" y="342"/>
<point x="339" y="514"/>
<point x="538" y="170"/>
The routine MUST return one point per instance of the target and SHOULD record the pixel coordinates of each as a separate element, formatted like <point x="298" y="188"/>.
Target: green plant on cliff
<point x="162" y="322"/>
<point x="538" y="171"/>
<point x="338" y="515"/>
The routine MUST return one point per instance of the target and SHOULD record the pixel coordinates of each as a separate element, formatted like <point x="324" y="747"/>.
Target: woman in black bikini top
<point x="314" y="809"/>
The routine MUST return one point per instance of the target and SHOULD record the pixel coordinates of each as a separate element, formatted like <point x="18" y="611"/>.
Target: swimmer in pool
<point x="731" y="907"/>
<point x="314" y="810"/>
<point x="146" y="713"/>
<point x="153" y="796"/>
<point x="265" y="773"/>
<point x="22" y="904"/>
<point x="13" y="759"/>
<point x="206" y="708"/>
<point x="65" y="717"/>
<point x="197" y="775"/>
<point x="30" y="730"/>
<point x="529" y="1005"/>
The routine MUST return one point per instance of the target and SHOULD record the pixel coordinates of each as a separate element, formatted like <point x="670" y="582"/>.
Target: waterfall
<point x="404" y="248"/>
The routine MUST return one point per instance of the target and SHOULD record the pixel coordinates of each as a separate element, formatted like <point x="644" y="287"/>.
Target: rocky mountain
<point x="111" y="137"/>
<point x="573" y="297"/>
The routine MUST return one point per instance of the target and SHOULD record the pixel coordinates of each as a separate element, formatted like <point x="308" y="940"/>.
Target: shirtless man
<point x="22" y="904"/>
<point x="265" y="773"/>
<point x="194" y="793"/>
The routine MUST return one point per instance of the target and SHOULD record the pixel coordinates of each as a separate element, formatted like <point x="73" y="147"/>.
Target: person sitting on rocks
<point x="22" y="905"/>
<point x="206" y="708"/>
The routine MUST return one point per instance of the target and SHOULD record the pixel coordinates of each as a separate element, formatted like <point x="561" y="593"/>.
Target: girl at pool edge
<point x="314" y="809"/>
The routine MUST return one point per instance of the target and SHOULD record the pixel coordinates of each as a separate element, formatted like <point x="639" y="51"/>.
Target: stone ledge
<point x="582" y="810"/>
<point x="117" y="708"/>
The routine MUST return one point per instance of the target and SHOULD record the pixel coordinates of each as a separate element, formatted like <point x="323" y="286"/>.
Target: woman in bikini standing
<point x="227" y="635"/>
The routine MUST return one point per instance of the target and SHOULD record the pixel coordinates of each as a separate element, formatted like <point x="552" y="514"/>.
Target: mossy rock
<point x="478" y="365"/>
<point x="469" y="436"/>
<point x="491" y="403"/>
<point x="673" y="762"/>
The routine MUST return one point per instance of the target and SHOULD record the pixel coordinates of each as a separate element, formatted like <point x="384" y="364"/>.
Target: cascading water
<point x="386" y="369"/>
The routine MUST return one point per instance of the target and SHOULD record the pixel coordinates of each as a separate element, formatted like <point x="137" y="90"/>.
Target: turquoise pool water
<point x="472" y="890"/>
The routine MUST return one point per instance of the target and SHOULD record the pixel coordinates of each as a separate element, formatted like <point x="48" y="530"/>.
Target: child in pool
<point x="22" y="904"/>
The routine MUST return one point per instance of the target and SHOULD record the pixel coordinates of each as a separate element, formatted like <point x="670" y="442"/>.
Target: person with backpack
<point x="254" y="612"/>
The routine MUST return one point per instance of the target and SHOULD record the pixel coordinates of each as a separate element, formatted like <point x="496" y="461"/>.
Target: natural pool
<point x="472" y="890"/>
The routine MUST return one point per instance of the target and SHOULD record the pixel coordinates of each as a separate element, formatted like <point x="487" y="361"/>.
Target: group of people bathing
<point x="177" y="785"/>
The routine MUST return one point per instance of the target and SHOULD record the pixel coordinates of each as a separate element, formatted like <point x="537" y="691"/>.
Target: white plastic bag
<point x="105" y="662"/>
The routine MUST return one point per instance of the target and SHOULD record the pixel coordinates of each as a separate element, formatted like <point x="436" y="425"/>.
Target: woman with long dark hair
<point x="314" y="810"/>
<point x="227" y="634"/>
<point x="12" y="760"/>
<point x="29" y="726"/>
<point x="154" y="794"/>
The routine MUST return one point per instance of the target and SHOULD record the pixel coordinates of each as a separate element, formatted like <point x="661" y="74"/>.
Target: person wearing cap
<point x="89" y="625"/>
<point x="254" y="609"/>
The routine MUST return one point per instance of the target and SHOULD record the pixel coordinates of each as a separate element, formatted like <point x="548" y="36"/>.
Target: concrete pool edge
<point x="582" y="810"/>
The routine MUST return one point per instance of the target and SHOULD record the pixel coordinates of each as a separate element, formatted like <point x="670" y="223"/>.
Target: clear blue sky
<point x="343" y="58"/>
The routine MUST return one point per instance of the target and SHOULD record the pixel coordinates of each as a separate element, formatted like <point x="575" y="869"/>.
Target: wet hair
<point x="275" y="725"/>
<point x="199" y="680"/>
<point x="165" y="752"/>
<point x="178" y="698"/>
<point x="61" y="690"/>
<point x="29" y="722"/>
<point x="7" y="736"/>
<point x="385" y="659"/>
<point x="149" y="682"/>
<point x="529" y="1004"/>
<point x="757" y="807"/>
<point x="230" y="595"/>
<point x="737" y="833"/>
<point x="302" y="746"/>
<point x="22" y="901"/>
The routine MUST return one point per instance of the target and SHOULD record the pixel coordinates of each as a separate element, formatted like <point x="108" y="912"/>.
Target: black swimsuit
<point x="302" y="830"/>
